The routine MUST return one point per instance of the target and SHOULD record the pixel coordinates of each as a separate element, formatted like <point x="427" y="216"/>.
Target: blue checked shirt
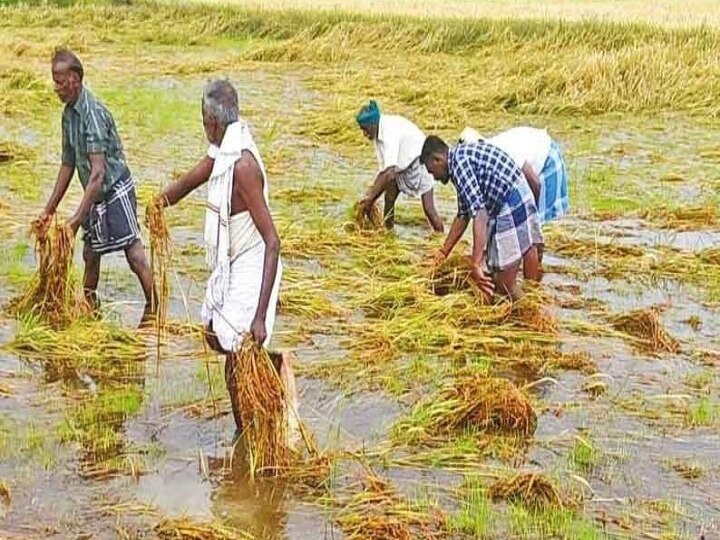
<point x="483" y="176"/>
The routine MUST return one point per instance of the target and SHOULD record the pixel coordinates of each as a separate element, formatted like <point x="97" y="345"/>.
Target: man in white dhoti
<point x="398" y="143"/>
<point x="242" y="244"/>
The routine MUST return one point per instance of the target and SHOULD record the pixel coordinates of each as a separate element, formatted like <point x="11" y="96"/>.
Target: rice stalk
<point x="159" y="257"/>
<point x="533" y="490"/>
<point x="52" y="293"/>
<point x="366" y="220"/>
<point x="258" y="400"/>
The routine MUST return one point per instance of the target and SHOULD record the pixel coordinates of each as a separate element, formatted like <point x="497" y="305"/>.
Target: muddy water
<point x="184" y="444"/>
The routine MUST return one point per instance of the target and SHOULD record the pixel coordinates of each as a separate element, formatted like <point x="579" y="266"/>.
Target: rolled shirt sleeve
<point x="96" y="132"/>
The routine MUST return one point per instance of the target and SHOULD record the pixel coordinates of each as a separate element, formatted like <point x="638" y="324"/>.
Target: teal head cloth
<point x="369" y="114"/>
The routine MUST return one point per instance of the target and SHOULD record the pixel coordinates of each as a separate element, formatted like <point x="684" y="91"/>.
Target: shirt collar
<point x="80" y="101"/>
<point x="451" y="162"/>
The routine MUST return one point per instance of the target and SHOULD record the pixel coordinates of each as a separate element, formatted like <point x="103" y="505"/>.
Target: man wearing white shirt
<point x="542" y="162"/>
<point x="398" y="143"/>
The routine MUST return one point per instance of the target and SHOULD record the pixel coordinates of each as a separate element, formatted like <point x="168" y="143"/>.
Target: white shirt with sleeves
<point x="399" y="142"/>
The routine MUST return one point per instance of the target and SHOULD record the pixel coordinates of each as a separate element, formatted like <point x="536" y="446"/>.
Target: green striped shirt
<point x="89" y="128"/>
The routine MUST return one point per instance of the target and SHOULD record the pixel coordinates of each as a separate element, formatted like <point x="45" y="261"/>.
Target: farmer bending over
<point x="492" y="192"/>
<point x="108" y="209"/>
<point x="397" y="145"/>
<point x="242" y="245"/>
<point x="542" y="162"/>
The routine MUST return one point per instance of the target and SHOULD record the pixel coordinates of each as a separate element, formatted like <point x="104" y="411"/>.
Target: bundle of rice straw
<point x="366" y="220"/>
<point x="645" y="325"/>
<point x="533" y="490"/>
<point x="475" y="400"/>
<point x="454" y="275"/>
<point x="52" y="294"/>
<point x="259" y="405"/>
<point x="159" y="256"/>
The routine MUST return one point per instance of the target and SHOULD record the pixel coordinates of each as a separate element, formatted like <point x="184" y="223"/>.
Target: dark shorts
<point x="112" y="224"/>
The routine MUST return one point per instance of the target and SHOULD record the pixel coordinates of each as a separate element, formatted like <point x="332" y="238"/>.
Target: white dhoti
<point x="233" y="319"/>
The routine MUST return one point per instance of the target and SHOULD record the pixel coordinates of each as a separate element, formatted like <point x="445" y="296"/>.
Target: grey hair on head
<point x="220" y="100"/>
<point x="61" y="55"/>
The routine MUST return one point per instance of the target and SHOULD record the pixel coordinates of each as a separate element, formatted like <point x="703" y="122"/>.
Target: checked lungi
<point x="554" y="199"/>
<point x="112" y="224"/>
<point x="515" y="229"/>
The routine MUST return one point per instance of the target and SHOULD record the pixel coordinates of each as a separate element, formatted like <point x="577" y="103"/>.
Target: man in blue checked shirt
<point x="493" y="193"/>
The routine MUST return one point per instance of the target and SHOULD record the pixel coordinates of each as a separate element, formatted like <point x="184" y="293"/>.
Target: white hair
<point x="220" y="101"/>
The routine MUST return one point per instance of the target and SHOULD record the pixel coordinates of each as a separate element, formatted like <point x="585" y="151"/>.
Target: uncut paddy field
<point x="110" y="432"/>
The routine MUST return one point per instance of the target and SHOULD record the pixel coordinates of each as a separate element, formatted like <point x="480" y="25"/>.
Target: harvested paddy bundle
<point x="52" y="294"/>
<point x="533" y="490"/>
<point x="646" y="326"/>
<point x="475" y="401"/>
<point x="454" y="275"/>
<point x="159" y="256"/>
<point x="258" y="401"/>
<point x="362" y="220"/>
<point x="184" y="529"/>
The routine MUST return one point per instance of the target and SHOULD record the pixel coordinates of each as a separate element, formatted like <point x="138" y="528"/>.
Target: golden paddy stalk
<point x="159" y="256"/>
<point x="258" y="399"/>
<point x="52" y="294"/>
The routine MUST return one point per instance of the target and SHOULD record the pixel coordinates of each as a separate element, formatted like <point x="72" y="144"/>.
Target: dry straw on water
<point x="646" y="326"/>
<point x="258" y="400"/>
<point x="533" y="490"/>
<point x="159" y="256"/>
<point x="378" y="513"/>
<point x="52" y="294"/>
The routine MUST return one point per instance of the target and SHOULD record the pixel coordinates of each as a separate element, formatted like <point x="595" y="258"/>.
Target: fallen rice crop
<point x="647" y="328"/>
<point x="185" y="529"/>
<point x="471" y="401"/>
<point x="533" y="490"/>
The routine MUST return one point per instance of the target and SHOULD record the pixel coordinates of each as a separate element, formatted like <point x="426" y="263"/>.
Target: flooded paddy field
<point x="111" y="432"/>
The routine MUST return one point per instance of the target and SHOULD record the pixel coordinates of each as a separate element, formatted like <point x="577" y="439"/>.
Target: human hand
<point x="258" y="331"/>
<point x="74" y="225"/>
<point x="41" y="224"/>
<point x="438" y="257"/>
<point x="483" y="282"/>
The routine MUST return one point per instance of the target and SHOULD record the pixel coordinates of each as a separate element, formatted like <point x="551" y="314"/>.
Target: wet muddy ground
<point x="650" y="421"/>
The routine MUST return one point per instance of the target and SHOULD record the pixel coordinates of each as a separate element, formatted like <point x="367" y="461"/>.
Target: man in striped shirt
<point x="492" y="193"/>
<point x="108" y="209"/>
